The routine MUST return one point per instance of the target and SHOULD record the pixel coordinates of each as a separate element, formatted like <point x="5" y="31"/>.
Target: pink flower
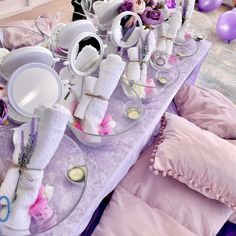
<point x="138" y="6"/>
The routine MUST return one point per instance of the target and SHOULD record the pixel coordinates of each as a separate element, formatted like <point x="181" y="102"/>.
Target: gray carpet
<point x="219" y="69"/>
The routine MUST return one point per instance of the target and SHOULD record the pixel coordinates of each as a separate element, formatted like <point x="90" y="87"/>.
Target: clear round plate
<point x="188" y="50"/>
<point x="61" y="203"/>
<point x="115" y="109"/>
<point x="158" y="80"/>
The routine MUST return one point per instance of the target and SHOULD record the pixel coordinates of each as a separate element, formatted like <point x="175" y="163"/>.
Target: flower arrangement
<point x="3" y="111"/>
<point x="150" y="11"/>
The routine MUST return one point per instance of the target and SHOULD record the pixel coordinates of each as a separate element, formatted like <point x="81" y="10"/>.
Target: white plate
<point x="33" y="85"/>
<point x="15" y="117"/>
<point x="71" y="31"/>
<point x="22" y="56"/>
<point x="109" y="12"/>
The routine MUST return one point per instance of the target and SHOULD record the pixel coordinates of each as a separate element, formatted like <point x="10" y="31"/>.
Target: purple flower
<point x="125" y="6"/>
<point x="152" y="17"/>
<point x="171" y="4"/>
<point x="3" y="111"/>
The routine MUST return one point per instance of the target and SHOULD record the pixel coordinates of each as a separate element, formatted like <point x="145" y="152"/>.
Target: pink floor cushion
<point x="128" y="215"/>
<point x="208" y="109"/>
<point x="198" y="158"/>
<point x="191" y="209"/>
<point x="232" y="218"/>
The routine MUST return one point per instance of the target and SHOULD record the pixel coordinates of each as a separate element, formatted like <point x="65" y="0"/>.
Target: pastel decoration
<point x="41" y="211"/>
<point x="173" y="59"/>
<point x="151" y="86"/>
<point x="226" y="26"/>
<point x="208" y="5"/>
<point x="78" y="126"/>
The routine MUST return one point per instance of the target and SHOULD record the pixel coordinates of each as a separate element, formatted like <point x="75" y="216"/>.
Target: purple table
<point x="113" y="162"/>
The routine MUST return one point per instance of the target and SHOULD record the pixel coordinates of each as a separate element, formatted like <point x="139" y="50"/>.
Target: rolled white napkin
<point x="8" y="186"/>
<point x="88" y="86"/>
<point x="187" y="10"/>
<point x="151" y="42"/>
<point x="187" y="13"/>
<point x="151" y="48"/>
<point x="161" y="41"/>
<point x="174" y="26"/>
<point x="133" y="68"/>
<point x="86" y="58"/>
<point x="51" y="129"/>
<point x="110" y="72"/>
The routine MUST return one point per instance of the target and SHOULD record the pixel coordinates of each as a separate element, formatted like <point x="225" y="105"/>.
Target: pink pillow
<point x="207" y="109"/>
<point x="128" y="215"/>
<point x="198" y="158"/>
<point x="232" y="218"/>
<point x="197" y="213"/>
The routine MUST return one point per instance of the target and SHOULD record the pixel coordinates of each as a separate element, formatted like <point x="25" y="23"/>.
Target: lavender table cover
<point x="114" y="161"/>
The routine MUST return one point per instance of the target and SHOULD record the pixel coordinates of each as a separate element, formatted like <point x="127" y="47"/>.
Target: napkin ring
<point x="140" y="61"/>
<point x="8" y="208"/>
<point x="95" y="96"/>
<point x="25" y="171"/>
<point x="168" y="38"/>
<point x="160" y="61"/>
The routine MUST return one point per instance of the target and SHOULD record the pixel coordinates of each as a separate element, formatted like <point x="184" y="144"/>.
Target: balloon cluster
<point x="226" y="26"/>
<point x="208" y="5"/>
<point x="226" y="23"/>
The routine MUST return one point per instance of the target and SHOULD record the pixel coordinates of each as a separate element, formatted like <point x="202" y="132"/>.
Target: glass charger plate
<point x="66" y="195"/>
<point x="161" y="79"/>
<point x="188" y="50"/>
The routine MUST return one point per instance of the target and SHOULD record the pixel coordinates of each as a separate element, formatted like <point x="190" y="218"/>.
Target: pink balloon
<point x="208" y="5"/>
<point x="226" y="26"/>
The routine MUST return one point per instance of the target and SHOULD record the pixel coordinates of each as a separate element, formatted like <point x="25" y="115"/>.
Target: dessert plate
<point x="67" y="34"/>
<point x="22" y="56"/>
<point x="33" y="85"/>
<point x="109" y="12"/>
<point x="61" y="202"/>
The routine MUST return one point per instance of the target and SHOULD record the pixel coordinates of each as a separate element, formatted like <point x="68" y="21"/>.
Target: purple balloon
<point x="226" y="26"/>
<point x="208" y="5"/>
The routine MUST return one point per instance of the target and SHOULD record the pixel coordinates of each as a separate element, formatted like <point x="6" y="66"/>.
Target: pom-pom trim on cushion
<point x="173" y="173"/>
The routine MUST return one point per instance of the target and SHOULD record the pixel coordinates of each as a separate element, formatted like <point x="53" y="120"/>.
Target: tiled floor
<point x="219" y="69"/>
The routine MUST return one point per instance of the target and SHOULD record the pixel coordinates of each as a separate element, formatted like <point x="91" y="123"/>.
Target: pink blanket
<point x="145" y="204"/>
<point x="25" y="33"/>
<point x="128" y="215"/>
